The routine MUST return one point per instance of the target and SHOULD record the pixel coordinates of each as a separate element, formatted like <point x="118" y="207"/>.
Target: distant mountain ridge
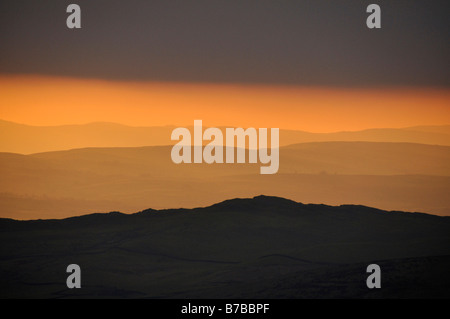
<point x="26" y="139"/>
<point x="393" y="176"/>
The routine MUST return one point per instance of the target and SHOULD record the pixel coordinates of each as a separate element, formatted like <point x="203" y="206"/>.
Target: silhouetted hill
<point x="366" y="158"/>
<point x="27" y="139"/>
<point x="434" y="135"/>
<point x="264" y="247"/>
<point x="392" y="176"/>
<point x="445" y="129"/>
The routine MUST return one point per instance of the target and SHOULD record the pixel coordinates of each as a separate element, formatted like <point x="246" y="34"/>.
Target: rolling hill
<point x="26" y="139"/>
<point x="393" y="176"/>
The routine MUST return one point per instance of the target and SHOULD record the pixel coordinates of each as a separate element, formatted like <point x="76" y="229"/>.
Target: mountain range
<point x="394" y="176"/>
<point x="27" y="139"/>
<point x="57" y="182"/>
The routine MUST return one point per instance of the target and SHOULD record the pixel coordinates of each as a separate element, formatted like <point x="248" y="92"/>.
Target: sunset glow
<point x="37" y="100"/>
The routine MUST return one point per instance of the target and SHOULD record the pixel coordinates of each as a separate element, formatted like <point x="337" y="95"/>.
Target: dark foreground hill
<point x="265" y="247"/>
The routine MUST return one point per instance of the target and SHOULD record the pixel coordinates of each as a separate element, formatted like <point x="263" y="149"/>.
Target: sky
<point x="307" y="65"/>
<point x="54" y="101"/>
<point x="312" y="42"/>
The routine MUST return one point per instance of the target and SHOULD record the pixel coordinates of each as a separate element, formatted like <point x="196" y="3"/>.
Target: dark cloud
<point x="311" y="42"/>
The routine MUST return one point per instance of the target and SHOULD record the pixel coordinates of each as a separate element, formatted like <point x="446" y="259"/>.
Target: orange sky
<point x="38" y="100"/>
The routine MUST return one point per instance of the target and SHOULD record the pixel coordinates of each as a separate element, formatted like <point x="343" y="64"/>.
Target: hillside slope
<point x="251" y="248"/>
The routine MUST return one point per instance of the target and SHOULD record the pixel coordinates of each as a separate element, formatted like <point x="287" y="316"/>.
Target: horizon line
<point x="220" y="126"/>
<point x="256" y="197"/>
